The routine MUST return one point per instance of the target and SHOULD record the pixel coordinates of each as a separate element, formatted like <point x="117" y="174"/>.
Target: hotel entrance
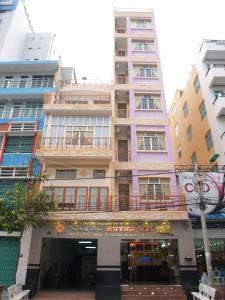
<point x="68" y="264"/>
<point x="150" y="261"/>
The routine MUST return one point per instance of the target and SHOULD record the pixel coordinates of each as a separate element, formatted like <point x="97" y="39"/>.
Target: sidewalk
<point x="65" y="295"/>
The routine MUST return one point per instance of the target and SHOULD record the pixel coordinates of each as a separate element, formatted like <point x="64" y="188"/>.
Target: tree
<point x="24" y="206"/>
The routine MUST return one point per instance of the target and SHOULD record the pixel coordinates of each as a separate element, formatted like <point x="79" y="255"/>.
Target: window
<point x="145" y="71"/>
<point x="176" y="129"/>
<point x="144" y="46"/>
<point x="141" y="23"/>
<point x="174" y="110"/>
<point x="79" y="135"/>
<point x="185" y="109"/>
<point x="193" y="158"/>
<point x="179" y="151"/>
<point x="22" y="144"/>
<point x="99" y="174"/>
<point x="189" y="133"/>
<point x="65" y="174"/>
<point x="202" y="110"/>
<point x="148" y="102"/>
<point x="30" y="48"/>
<point x="197" y="84"/>
<point x="150" y="140"/>
<point x="152" y="189"/>
<point x="209" y="140"/>
<point x="33" y="110"/>
<point x="42" y="81"/>
<point x="98" y="197"/>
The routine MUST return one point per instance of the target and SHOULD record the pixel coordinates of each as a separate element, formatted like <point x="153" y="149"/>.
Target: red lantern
<point x="59" y="228"/>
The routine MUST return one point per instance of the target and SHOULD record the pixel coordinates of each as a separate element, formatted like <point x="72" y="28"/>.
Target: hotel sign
<point x="118" y="228"/>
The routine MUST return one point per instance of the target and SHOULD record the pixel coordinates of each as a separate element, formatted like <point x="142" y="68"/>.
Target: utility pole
<point x="200" y="190"/>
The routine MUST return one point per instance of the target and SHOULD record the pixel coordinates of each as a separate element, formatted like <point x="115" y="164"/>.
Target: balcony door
<point x="124" y="196"/>
<point x="122" y="110"/>
<point x="122" y="150"/>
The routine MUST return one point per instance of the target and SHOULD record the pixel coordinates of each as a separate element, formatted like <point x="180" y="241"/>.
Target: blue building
<point x="23" y="85"/>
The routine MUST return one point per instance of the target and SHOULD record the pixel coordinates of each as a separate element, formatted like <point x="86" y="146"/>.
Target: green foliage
<point x="24" y="206"/>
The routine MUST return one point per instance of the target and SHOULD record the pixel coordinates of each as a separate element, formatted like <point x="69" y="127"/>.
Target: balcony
<point x="117" y="203"/>
<point x="122" y="113"/>
<point x="213" y="50"/>
<point x="26" y="86"/>
<point x="75" y="148"/>
<point x="216" y="75"/>
<point x="19" y="113"/>
<point x="14" y="172"/>
<point x="123" y="156"/>
<point x="85" y="104"/>
<point x="219" y="105"/>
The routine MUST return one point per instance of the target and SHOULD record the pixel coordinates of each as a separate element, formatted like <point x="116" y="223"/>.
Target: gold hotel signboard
<point x="114" y="228"/>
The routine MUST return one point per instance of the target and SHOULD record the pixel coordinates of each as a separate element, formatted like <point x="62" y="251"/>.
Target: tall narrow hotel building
<point x="106" y="149"/>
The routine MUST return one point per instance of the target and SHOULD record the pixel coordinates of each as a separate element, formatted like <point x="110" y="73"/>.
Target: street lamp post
<point x="200" y="185"/>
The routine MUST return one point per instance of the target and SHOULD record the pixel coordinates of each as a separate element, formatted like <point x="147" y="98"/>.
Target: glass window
<point x="194" y="158"/>
<point x="179" y="151"/>
<point x="99" y="174"/>
<point x="150" y="140"/>
<point x="143" y="46"/>
<point x="148" y="102"/>
<point x="202" y="110"/>
<point x="154" y="189"/>
<point x="209" y="140"/>
<point x="189" y="133"/>
<point x="185" y="109"/>
<point x="197" y="84"/>
<point x="145" y="71"/>
<point x="174" y="110"/>
<point x="65" y="174"/>
<point x="141" y="23"/>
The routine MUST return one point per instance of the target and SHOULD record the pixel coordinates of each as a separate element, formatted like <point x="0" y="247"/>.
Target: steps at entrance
<point x="152" y="292"/>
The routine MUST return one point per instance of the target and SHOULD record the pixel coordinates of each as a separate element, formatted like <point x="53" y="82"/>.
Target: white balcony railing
<point x="27" y="83"/>
<point x="10" y="172"/>
<point x="21" y="113"/>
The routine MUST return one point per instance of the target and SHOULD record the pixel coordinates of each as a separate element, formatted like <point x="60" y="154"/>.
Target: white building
<point x="16" y="29"/>
<point x="211" y="78"/>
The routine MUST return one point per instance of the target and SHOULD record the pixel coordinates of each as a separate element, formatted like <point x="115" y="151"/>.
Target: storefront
<point x="148" y="252"/>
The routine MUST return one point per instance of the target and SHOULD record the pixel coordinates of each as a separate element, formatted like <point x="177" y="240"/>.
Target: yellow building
<point x="189" y="127"/>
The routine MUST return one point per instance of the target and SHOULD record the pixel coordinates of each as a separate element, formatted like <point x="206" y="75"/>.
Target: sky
<point x="84" y="33"/>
